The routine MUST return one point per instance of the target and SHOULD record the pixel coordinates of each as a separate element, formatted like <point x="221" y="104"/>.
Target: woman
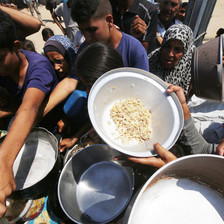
<point x="172" y="61"/>
<point x="61" y="51"/>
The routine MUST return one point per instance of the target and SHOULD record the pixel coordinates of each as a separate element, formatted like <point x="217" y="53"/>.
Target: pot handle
<point x="83" y="136"/>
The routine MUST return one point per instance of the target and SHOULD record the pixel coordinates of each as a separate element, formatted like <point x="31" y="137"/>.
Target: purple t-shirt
<point x="40" y="74"/>
<point x="133" y="53"/>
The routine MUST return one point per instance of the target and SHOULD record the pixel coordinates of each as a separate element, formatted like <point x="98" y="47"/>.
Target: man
<point x="137" y="18"/>
<point x="72" y="31"/>
<point x="167" y="17"/>
<point x="30" y="78"/>
<point x="182" y="11"/>
<point x="95" y="21"/>
<point x="33" y="5"/>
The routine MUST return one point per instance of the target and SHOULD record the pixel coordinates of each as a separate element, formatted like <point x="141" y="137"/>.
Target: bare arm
<point x="54" y="17"/>
<point x="25" y="23"/>
<point x="63" y="89"/>
<point x="18" y="132"/>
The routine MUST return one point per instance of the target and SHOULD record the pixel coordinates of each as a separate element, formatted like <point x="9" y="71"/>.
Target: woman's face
<point x="61" y="66"/>
<point x="171" y="53"/>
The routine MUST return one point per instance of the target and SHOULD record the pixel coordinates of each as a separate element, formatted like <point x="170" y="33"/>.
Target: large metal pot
<point x="207" y="70"/>
<point x="187" y="190"/>
<point x="93" y="188"/>
<point x="36" y="165"/>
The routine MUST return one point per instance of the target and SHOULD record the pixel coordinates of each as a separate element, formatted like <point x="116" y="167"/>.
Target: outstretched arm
<point x="25" y="23"/>
<point x="55" y="18"/>
<point x="63" y="89"/>
<point x="24" y="120"/>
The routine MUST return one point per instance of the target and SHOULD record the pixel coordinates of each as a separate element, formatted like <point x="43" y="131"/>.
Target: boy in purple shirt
<point x="95" y="21"/>
<point x="30" y="78"/>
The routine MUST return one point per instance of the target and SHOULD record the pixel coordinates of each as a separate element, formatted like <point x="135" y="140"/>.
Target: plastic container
<point x="76" y="104"/>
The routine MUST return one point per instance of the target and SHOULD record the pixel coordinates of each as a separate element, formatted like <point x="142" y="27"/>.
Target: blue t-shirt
<point x="133" y="53"/>
<point x="40" y="74"/>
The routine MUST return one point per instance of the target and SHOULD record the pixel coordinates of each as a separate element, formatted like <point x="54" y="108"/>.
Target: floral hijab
<point x="181" y="74"/>
<point x="64" y="46"/>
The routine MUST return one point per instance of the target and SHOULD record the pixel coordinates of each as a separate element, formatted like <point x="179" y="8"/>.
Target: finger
<point x="172" y="88"/>
<point x="164" y="154"/>
<point x="62" y="149"/>
<point x="2" y="209"/>
<point x="120" y="157"/>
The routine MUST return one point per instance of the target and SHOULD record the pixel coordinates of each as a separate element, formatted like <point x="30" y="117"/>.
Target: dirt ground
<point x="216" y="22"/>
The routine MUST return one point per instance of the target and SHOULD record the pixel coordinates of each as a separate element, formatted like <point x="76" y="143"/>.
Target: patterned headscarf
<point x="181" y="74"/>
<point x="64" y="46"/>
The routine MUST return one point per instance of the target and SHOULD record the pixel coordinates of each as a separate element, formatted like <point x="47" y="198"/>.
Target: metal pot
<point x="93" y="188"/>
<point x="187" y="190"/>
<point x="207" y="70"/>
<point x="36" y="165"/>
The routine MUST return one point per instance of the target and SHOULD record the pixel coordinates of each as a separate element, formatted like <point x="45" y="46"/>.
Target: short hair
<point x="47" y="33"/>
<point x="83" y="10"/>
<point x="28" y="45"/>
<point x="7" y="31"/>
<point x="95" y="60"/>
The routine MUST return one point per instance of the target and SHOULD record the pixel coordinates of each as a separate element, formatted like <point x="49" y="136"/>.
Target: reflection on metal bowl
<point x="187" y="190"/>
<point x="124" y="83"/>
<point x="36" y="165"/>
<point x="93" y="188"/>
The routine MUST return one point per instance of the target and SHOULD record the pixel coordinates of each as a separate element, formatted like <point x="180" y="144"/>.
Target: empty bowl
<point x="93" y="188"/>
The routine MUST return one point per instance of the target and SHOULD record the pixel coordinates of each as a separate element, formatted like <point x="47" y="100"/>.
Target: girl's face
<point x="61" y="66"/>
<point x="171" y="53"/>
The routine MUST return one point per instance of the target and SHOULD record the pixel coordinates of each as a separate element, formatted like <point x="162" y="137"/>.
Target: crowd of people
<point x="99" y="35"/>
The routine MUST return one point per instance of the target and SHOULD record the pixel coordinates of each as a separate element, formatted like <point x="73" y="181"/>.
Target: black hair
<point x="47" y="33"/>
<point x="7" y="31"/>
<point x="83" y="10"/>
<point x="28" y="45"/>
<point x="95" y="60"/>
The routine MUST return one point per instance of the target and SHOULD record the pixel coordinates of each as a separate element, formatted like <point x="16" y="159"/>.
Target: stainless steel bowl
<point x="187" y="190"/>
<point x="36" y="165"/>
<point x="123" y="83"/>
<point x="93" y="188"/>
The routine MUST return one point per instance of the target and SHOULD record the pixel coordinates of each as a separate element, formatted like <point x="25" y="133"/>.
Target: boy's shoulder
<point x="130" y="39"/>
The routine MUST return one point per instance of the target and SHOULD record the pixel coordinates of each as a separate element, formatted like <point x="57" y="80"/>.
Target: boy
<point x="95" y="21"/>
<point x="30" y="78"/>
